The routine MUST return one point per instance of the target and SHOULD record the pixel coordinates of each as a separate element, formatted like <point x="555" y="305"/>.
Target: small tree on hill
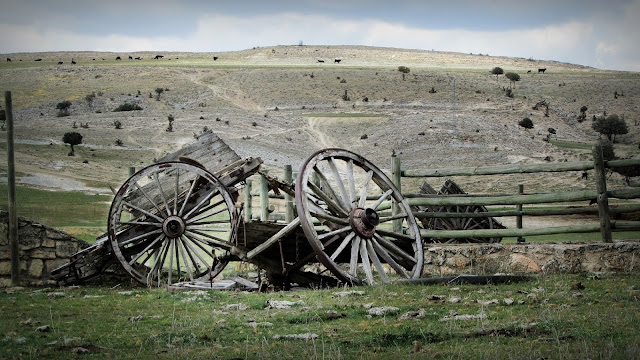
<point x="610" y="126"/>
<point x="72" y="138"/>
<point x="526" y="123"/>
<point x="63" y="108"/>
<point x="158" y="92"/>
<point x="513" y="77"/>
<point x="404" y="70"/>
<point x="497" y="71"/>
<point x="171" y="120"/>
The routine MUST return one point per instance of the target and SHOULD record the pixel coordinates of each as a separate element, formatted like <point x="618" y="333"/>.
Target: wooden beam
<point x="601" y="191"/>
<point x="14" y="245"/>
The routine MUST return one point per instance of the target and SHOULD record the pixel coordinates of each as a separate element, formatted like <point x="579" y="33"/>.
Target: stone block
<point x="4" y="233"/>
<point x="35" y="268"/>
<point x="65" y="249"/>
<point x="56" y="235"/>
<point x="5" y="282"/>
<point x="522" y="263"/>
<point x="5" y="268"/>
<point x="43" y="253"/>
<point x="46" y="242"/>
<point x="29" y="238"/>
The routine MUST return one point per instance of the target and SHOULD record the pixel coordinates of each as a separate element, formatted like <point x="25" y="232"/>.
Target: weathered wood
<point x="209" y="150"/>
<point x="519" y="209"/>
<point x="247" y="201"/>
<point x="273" y="239"/>
<point x="396" y="179"/>
<point x="264" y="197"/>
<point x="584" y="228"/>
<point x="530" y="212"/>
<point x="289" y="211"/>
<point x="601" y="191"/>
<point x="501" y="169"/>
<point x="14" y="247"/>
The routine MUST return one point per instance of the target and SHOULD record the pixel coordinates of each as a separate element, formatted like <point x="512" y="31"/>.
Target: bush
<point x="526" y="123"/>
<point x="552" y="131"/>
<point x="404" y="69"/>
<point x="610" y="126"/>
<point x="127" y="107"/>
<point x="117" y="124"/>
<point x="72" y="138"/>
<point x="497" y="71"/>
<point x="64" y="105"/>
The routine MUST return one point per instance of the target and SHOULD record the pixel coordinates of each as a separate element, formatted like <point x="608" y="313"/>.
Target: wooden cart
<point x="178" y="221"/>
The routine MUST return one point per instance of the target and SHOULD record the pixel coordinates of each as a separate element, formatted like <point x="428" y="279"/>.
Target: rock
<point x="5" y="268"/>
<point x="488" y="302"/>
<point x="282" y="304"/>
<point x="455" y="300"/>
<point x="382" y="310"/>
<point x="508" y="301"/>
<point x="347" y="293"/>
<point x="79" y="350"/>
<point x="255" y="324"/>
<point x="332" y="315"/>
<point x="463" y="317"/>
<point x="412" y="315"/>
<point x="239" y="306"/>
<point x="43" y="254"/>
<point x="43" y="328"/>
<point x="523" y="263"/>
<point x="307" y="336"/>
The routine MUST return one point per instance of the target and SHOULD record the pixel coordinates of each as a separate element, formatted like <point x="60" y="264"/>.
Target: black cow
<point x="60" y="62"/>
<point x="130" y="57"/>
<point x="73" y="61"/>
<point x="8" y="60"/>
<point x="158" y="57"/>
<point x="118" y="58"/>
<point x="215" y="58"/>
<point x="337" y="61"/>
<point x="37" y="60"/>
<point x="542" y="70"/>
<point x="528" y="71"/>
<point x="138" y="58"/>
<point x="320" y="60"/>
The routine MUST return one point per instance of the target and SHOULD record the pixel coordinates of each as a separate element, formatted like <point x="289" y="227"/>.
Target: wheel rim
<point x="355" y="240"/>
<point x="171" y="222"/>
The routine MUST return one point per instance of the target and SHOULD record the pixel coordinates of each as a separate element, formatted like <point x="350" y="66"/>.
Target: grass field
<point x="550" y="317"/>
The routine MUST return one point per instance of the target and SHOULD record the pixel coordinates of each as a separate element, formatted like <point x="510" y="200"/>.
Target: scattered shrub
<point x="610" y="126"/>
<point x="526" y="123"/>
<point x="170" y="126"/>
<point x="552" y="131"/>
<point x="127" y="107"/>
<point x="497" y="71"/>
<point x="117" y="124"/>
<point x="63" y="108"/>
<point x="119" y="142"/>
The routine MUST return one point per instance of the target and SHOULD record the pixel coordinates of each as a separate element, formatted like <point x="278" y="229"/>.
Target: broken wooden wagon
<point x="179" y="220"/>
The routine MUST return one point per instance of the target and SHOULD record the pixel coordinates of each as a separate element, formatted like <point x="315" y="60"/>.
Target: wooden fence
<point x="605" y="226"/>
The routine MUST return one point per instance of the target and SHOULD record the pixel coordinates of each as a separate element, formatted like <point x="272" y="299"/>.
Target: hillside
<point x="281" y="104"/>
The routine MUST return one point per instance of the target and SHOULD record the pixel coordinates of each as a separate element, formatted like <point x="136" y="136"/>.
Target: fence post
<point x="247" y="201"/>
<point x="601" y="191"/>
<point x="519" y="217"/>
<point x="264" y="197"/>
<point x="288" y="199"/>
<point x="396" y="180"/>
<point x="14" y="245"/>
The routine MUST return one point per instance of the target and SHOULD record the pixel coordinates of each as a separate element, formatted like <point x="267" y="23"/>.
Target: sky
<point x="596" y="33"/>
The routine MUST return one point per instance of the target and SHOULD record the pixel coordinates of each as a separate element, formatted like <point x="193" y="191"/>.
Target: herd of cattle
<point x="158" y="57"/>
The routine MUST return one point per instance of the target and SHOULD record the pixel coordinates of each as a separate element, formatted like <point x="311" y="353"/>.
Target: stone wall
<point x="444" y="260"/>
<point x="42" y="249"/>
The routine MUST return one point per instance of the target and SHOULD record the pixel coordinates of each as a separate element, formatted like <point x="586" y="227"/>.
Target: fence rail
<point x="600" y="194"/>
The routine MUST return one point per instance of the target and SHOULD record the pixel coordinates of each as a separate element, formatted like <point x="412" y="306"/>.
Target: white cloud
<point x="595" y="42"/>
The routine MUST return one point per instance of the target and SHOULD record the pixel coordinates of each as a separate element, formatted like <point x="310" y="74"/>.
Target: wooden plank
<point x="272" y="240"/>
<point x="601" y="190"/>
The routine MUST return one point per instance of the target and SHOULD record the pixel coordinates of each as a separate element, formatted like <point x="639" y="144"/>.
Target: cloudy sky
<point x="602" y="34"/>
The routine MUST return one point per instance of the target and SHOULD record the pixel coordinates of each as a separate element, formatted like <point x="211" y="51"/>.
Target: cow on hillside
<point x="542" y="70"/>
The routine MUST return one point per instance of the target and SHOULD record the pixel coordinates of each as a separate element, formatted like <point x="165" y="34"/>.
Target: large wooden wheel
<point x="171" y="222"/>
<point x="339" y="195"/>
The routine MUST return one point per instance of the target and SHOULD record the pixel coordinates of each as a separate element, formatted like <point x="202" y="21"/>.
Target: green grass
<point x="570" y="144"/>
<point x="80" y="214"/>
<point x="555" y="317"/>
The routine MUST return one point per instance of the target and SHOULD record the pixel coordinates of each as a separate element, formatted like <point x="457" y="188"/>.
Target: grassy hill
<point x="281" y="104"/>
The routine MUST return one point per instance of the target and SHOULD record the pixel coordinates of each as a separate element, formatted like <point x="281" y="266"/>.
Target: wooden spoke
<point x="366" y="264"/>
<point x="193" y="251"/>
<point x="390" y="218"/>
<point x="164" y="198"/>
<point x="211" y="222"/>
<point x="141" y="236"/>
<point x="334" y="232"/>
<point x="177" y="193"/>
<point x="171" y="248"/>
<point x="147" y="248"/>
<point x="136" y="223"/>
<point x="142" y="211"/>
<point x="335" y="207"/>
<point x="209" y="239"/>
<point x="144" y="193"/>
<point x="194" y="228"/>
<point x="196" y="266"/>
<point x="389" y="259"/>
<point x="180" y="246"/>
<point x="352" y="184"/>
<point x="188" y="196"/>
<point x="394" y="249"/>
<point x="343" y="245"/>
<point x="363" y="192"/>
<point x="202" y="202"/>
<point x="376" y="262"/>
<point x="324" y="183"/>
<point x="345" y="198"/>
<point x="204" y="215"/>
<point x="321" y="214"/>
<point x="353" y="263"/>
<point x="382" y="198"/>
<point x="396" y="235"/>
